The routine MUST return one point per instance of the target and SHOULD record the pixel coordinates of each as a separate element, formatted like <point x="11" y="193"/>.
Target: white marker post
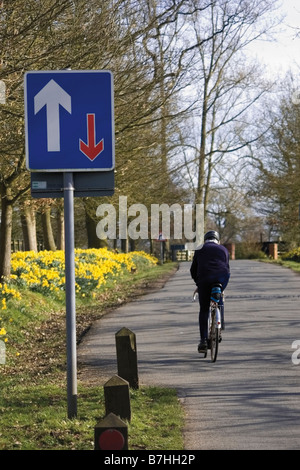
<point x="2" y="92"/>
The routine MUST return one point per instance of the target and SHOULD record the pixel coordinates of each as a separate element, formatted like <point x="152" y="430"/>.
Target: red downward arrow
<point x="91" y="149"/>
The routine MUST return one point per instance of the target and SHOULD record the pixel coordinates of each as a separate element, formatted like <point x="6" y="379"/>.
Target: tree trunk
<point x="47" y="230"/>
<point x="5" y="236"/>
<point x="124" y="245"/>
<point x="60" y="238"/>
<point x="29" y="228"/>
<point x="93" y="240"/>
<point x="201" y="168"/>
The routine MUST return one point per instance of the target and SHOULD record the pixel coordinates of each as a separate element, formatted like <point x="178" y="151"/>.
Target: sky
<point x="283" y="52"/>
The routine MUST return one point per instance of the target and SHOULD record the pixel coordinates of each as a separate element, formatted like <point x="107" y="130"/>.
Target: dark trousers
<point x="204" y="302"/>
<point x="204" y="289"/>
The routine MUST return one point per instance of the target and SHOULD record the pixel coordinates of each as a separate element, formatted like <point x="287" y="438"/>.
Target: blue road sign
<point x="69" y="120"/>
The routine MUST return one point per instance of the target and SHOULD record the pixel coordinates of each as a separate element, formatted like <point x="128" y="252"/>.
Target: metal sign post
<point x="70" y="295"/>
<point x="69" y="131"/>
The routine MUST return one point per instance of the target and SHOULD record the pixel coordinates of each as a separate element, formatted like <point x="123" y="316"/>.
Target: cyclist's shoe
<point x="220" y="337"/>
<point x="202" y="347"/>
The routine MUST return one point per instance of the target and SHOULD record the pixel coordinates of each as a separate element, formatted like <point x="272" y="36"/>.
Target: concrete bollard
<point x="127" y="357"/>
<point x="116" y="396"/>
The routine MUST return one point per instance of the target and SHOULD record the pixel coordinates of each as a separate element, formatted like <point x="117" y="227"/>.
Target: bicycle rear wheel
<point x="214" y="338"/>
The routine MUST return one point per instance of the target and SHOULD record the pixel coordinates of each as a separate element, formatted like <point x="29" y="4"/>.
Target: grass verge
<point x="33" y="408"/>
<point x="294" y="265"/>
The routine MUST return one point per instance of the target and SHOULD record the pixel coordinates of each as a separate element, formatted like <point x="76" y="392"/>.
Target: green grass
<point x="33" y="417"/>
<point x="294" y="265"/>
<point x="33" y="397"/>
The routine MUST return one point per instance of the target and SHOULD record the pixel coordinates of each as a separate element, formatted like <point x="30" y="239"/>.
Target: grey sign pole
<point x="70" y="294"/>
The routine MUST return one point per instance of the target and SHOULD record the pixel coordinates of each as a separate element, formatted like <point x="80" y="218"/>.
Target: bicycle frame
<point x="215" y="324"/>
<point x="214" y="307"/>
<point x="214" y="327"/>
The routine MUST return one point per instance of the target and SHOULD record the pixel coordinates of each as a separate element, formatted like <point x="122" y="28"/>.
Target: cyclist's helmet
<point x="212" y="235"/>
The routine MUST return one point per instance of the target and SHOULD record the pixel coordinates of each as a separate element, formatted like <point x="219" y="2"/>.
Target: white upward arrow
<point x="51" y="96"/>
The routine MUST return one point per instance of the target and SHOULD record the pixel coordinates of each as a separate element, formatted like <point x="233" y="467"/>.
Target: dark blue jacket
<point x="211" y="264"/>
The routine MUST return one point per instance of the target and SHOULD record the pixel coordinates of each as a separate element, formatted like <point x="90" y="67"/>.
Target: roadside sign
<point x="69" y="137"/>
<point x="69" y="120"/>
<point x="161" y="238"/>
<point x="94" y="184"/>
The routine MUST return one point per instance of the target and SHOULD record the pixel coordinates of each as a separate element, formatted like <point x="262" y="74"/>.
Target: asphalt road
<point x="250" y="398"/>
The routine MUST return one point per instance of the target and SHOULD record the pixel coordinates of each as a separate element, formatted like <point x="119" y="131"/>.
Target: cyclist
<point x="210" y="265"/>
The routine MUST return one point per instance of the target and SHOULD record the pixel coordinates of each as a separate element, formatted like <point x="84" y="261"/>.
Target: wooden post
<point x="231" y="249"/>
<point x="116" y="395"/>
<point x="127" y="357"/>
<point x="111" y="434"/>
<point x="273" y="250"/>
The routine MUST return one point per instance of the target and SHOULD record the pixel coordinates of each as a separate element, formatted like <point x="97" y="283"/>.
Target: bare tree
<point x="154" y="56"/>
<point x="228" y="89"/>
<point x="276" y="188"/>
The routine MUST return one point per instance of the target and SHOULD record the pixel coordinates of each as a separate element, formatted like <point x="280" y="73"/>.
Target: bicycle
<point x="215" y="321"/>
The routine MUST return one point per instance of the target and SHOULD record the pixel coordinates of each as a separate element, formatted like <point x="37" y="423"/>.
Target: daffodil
<point x="45" y="271"/>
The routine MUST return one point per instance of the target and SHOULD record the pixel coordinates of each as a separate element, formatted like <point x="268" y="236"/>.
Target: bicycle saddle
<point x="217" y="284"/>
